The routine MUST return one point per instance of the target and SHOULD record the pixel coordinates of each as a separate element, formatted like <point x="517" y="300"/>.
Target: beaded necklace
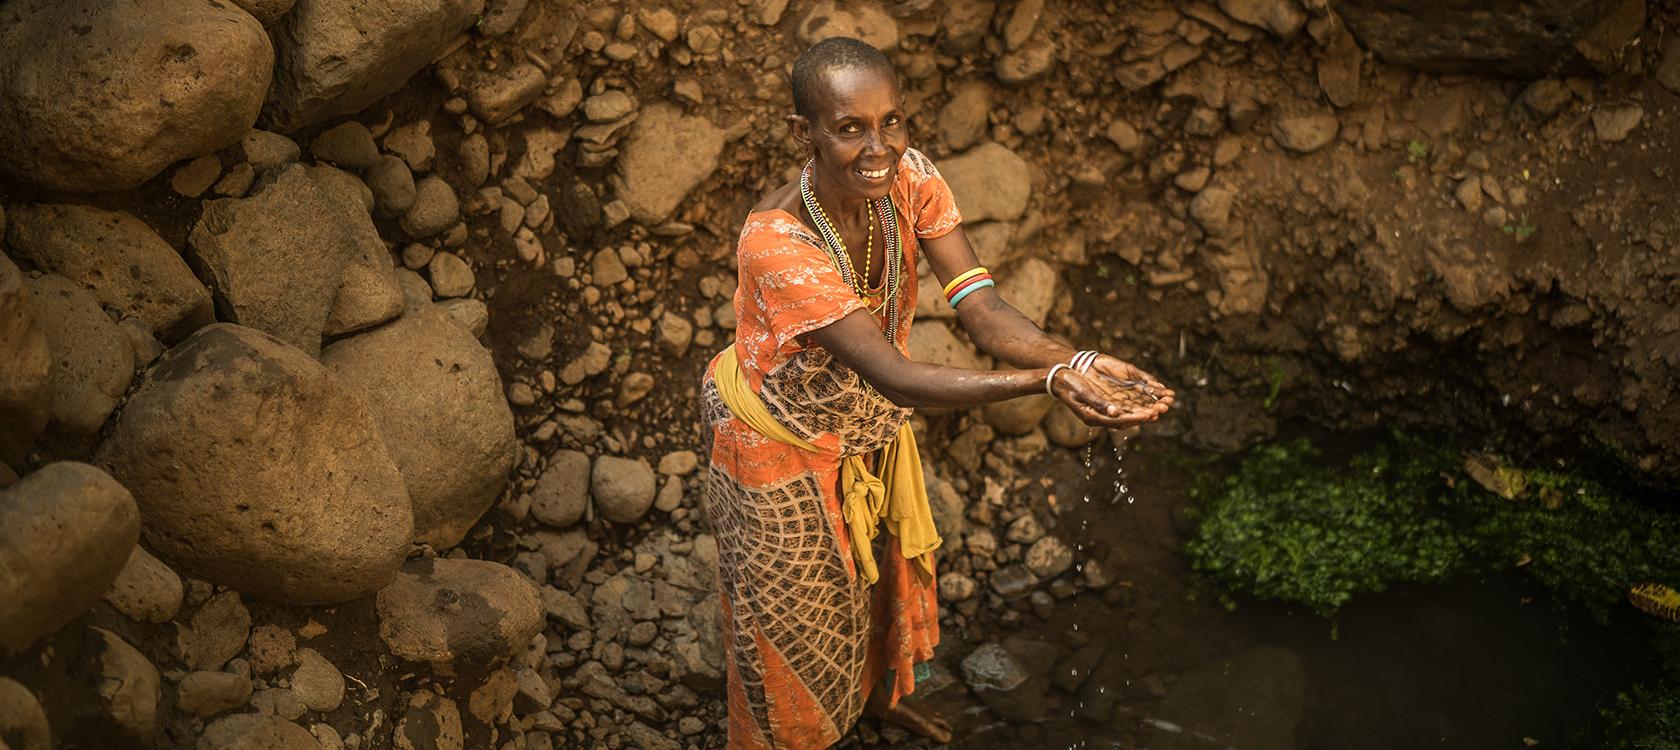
<point x="836" y="250"/>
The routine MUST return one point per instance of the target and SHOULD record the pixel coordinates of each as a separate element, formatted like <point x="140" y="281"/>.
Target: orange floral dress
<point x="805" y="637"/>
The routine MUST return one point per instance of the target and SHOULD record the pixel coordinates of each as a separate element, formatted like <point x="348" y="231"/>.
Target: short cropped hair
<point x="834" y="53"/>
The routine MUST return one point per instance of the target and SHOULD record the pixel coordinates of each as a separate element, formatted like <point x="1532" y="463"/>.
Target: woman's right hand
<point x="1101" y="402"/>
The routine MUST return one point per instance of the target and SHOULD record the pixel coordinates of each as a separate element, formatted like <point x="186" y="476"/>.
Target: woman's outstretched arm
<point x="857" y="342"/>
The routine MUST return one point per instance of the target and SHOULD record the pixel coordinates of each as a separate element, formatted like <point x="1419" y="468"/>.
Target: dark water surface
<point x="1476" y="663"/>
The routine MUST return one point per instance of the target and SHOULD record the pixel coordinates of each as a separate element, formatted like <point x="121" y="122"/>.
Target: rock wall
<point x="399" y="389"/>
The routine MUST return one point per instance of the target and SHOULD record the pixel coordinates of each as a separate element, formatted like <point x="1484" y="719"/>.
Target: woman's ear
<point x="800" y="129"/>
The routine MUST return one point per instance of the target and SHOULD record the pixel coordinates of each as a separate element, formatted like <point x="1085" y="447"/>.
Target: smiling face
<point x="857" y="132"/>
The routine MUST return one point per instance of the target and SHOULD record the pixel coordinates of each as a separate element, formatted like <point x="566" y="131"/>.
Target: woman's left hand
<point x="1122" y="372"/>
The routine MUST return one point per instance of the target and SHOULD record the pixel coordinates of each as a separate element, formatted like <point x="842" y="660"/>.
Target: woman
<point x="823" y="618"/>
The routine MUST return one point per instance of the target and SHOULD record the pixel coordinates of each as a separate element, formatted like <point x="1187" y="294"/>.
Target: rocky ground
<point x="355" y="344"/>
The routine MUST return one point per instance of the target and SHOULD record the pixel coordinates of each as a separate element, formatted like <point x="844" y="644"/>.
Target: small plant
<point x="1274" y="377"/>
<point x="1522" y="230"/>
<point x="1416" y="152"/>
<point x="1103" y="272"/>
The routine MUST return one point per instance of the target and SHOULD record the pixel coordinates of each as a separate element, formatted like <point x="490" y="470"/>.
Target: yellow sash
<point x="898" y="496"/>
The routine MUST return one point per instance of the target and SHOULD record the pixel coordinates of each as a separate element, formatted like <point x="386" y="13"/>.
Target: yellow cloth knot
<point x="898" y="496"/>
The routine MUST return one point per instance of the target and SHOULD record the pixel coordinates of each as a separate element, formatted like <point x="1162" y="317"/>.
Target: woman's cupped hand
<point x="1113" y="394"/>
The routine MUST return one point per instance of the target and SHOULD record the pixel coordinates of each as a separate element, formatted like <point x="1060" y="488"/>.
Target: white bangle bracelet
<point x="1082" y="361"/>
<point x="1051" y="379"/>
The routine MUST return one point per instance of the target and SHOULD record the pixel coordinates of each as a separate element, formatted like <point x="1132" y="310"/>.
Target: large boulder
<point x="667" y="155"/>
<point x="271" y="271"/>
<point x="92" y="359"/>
<point x="989" y="182"/>
<point x="463" y="613"/>
<point x="335" y="57"/>
<point x="65" y="533"/>
<point x="1521" y="38"/>
<point x="253" y="466"/>
<point x="98" y="96"/>
<point x="26" y="384"/>
<point x="125" y="264"/>
<point x="437" y="398"/>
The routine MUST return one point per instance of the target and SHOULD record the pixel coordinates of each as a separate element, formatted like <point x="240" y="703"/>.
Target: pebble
<point x="561" y="495"/>
<point x="146" y="590"/>
<point x="1049" y="557"/>
<point x="263" y="149"/>
<point x="607" y="268"/>
<point x="392" y="184"/>
<point x="1615" y="121"/>
<point x="435" y="209"/>
<point x="317" y="682"/>
<point x="450" y="276"/>
<point x="1012" y="581"/>
<point x="1025" y="530"/>
<point x="236" y="182"/>
<point x="348" y="145"/>
<point x="273" y="648"/>
<point x="219" y="631"/>
<point x="956" y="587"/>
<point x="210" y="693"/>
<point x="190" y="180"/>
<point x="1306" y="133"/>
<point x="623" y="489"/>
<point x="679" y="463"/>
<point x="412" y="142"/>
<point x="608" y="106"/>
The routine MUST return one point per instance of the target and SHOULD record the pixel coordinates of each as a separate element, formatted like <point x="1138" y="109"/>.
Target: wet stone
<point x="1012" y="581"/>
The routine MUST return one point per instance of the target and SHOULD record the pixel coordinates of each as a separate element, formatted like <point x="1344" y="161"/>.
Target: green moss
<point x="1645" y="717"/>
<point x="1286" y="527"/>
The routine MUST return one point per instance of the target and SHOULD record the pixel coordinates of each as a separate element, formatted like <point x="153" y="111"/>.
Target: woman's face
<point x="857" y="131"/>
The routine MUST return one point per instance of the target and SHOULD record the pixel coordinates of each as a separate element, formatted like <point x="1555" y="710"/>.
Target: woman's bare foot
<point x="910" y="714"/>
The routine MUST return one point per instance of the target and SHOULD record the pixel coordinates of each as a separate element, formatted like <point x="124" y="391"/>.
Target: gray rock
<point x="623" y="489"/>
<point x="500" y="94"/>
<point x="1281" y="17"/>
<point x="392" y="183"/>
<point x="26" y="384"/>
<point x="256" y="468"/>
<point x="219" y="632"/>
<point x="562" y="492"/>
<point x="317" y="682"/>
<point x="473" y="612"/>
<point x="146" y="589"/>
<point x="965" y="118"/>
<point x="1516" y="38"/>
<point x="451" y="276"/>
<point x="210" y="693"/>
<point x="997" y="678"/>
<point x="263" y="149"/>
<point x="437" y="399"/>
<point x="92" y="359"/>
<point x="336" y="57"/>
<point x="608" y="106"/>
<point x="1255" y="698"/>
<point x="1306" y="133"/>
<point x="65" y="532"/>
<point x="429" y="722"/>
<point x="1048" y="557"/>
<point x="255" y="732"/>
<point x="435" y="209"/>
<point x="866" y="21"/>
<point x="1615" y="121"/>
<point x="666" y="155"/>
<point x="128" y="687"/>
<point x="347" y="145"/>
<point x="957" y="588"/>
<point x="1028" y="64"/>
<point x="991" y="667"/>
<point x="1211" y="208"/>
<point x="78" y="115"/>
<point x="1025" y="530"/>
<point x="119" y="258"/>
<point x="23" y="724"/>
<point x="368" y="294"/>
<point x="1013" y="581"/>
<point x="989" y="182"/>
<point x="268" y="270"/>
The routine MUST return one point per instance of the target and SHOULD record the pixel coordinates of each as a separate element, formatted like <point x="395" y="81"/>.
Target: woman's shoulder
<point x="774" y="225"/>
